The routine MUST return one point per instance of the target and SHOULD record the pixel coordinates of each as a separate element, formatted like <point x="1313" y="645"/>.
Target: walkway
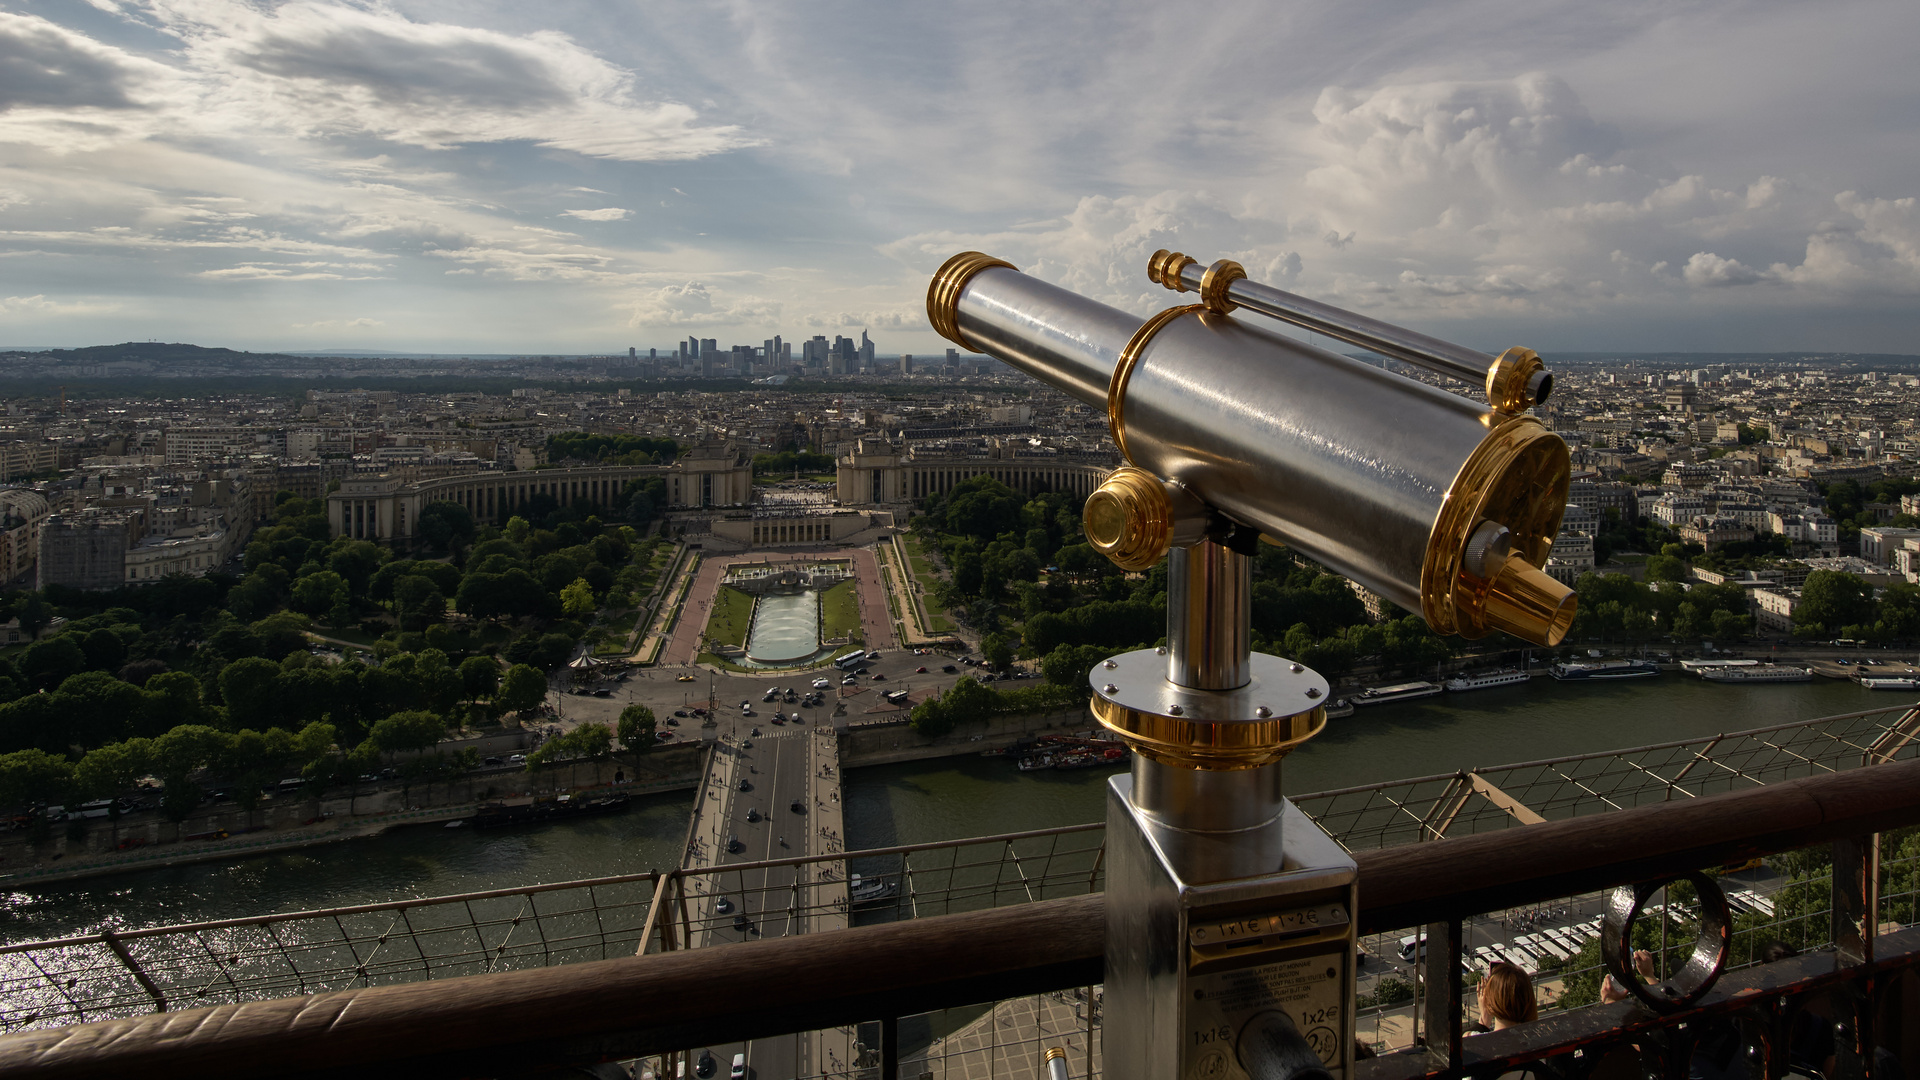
<point x="875" y="621"/>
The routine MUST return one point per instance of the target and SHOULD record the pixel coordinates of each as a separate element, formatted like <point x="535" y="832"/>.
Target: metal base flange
<point x="1282" y="705"/>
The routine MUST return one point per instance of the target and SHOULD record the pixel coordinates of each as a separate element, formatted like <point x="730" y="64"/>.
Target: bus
<point x="851" y="660"/>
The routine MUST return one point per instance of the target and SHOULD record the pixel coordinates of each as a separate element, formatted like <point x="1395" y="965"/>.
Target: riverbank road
<point x="765" y="798"/>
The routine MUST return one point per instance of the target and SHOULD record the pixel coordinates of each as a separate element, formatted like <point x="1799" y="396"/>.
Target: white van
<point x="1407" y="945"/>
<point x="739" y="1067"/>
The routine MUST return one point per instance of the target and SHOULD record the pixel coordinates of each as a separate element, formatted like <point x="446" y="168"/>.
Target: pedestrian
<point x="1506" y="998"/>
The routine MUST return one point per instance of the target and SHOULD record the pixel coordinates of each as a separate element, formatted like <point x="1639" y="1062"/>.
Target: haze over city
<point x="588" y="177"/>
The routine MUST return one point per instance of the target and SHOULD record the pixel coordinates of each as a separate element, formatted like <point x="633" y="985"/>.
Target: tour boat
<point x="1759" y="673"/>
<point x="1486" y="680"/>
<point x="1605" y="669"/>
<point x="1380" y="695"/>
<point x="1889" y="683"/>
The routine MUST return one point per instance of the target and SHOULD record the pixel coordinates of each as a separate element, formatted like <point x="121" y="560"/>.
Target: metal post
<point x="140" y="976"/>
<point x="1445" y="1014"/>
<point x="890" y="1048"/>
<point x="1856" y="917"/>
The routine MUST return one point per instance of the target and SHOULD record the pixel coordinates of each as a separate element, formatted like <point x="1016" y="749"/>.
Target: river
<point x="931" y="800"/>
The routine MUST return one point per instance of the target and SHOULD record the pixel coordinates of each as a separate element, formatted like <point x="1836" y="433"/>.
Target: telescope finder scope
<point x="1444" y="505"/>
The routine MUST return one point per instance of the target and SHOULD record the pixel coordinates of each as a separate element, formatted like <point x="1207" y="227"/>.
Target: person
<point x="1611" y="991"/>
<point x="1506" y="997"/>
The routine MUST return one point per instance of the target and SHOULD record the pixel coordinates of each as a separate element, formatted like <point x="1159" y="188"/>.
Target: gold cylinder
<point x="1189" y="744"/>
<point x="1509" y="379"/>
<point x="1528" y="604"/>
<point x="1129" y="519"/>
<point x="943" y="293"/>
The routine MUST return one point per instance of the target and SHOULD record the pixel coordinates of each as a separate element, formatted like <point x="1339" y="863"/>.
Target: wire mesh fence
<point x="120" y="973"/>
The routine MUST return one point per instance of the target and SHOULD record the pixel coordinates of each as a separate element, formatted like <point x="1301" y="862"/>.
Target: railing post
<point x="1444" y="1015"/>
<point x="890" y="1048"/>
<point x="140" y="976"/>
<point x="1856" y="919"/>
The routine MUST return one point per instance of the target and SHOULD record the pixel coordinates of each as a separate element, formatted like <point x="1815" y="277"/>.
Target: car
<point x="745" y="784"/>
<point x="848" y="681"/>
<point x="706" y="1066"/>
<point x="740" y="922"/>
<point x="821" y="684"/>
<point x="699" y="712"/>
<point x="517" y="759"/>
<point x="747" y="744"/>
<point x="603" y="692"/>
<point x="495" y="761"/>
<point x="745" y="704"/>
<point x="919" y="671"/>
<point x="798" y="807"/>
<point x="796" y="718"/>
<point x="753" y="815"/>
<point x="681" y="713"/>
<point x="873" y="656"/>
<point x="950" y="669"/>
<point x="671" y="722"/>
<point x="779" y="720"/>
<point x="755" y="731"/>
<point x="734" y="846"/>
<point x="878" y="675"/>
<point x="662" y="736"/>
<point x="683" y="678"/>
<point x="723" y="905"/>
<point x="772" y="696"/>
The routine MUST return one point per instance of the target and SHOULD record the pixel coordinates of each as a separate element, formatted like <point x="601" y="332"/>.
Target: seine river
<point x="933" y="800"/>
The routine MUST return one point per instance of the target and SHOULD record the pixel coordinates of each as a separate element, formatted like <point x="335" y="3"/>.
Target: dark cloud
<point x="407" y="68"/>
<point x="44" y="65"/>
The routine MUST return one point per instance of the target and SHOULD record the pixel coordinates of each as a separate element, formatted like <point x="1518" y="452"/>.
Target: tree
<point x="316" y="593"/>
<point x="637" y="727"/>
<point x="479" y="676"/>
<point x="34" y="776"/>
<point x="1833" y="599"/>
<point x="577" y="599"/>
<point x="49" y="662"/>
<point x="355" y="561"/>
<point x="996" y="650"/>
<point x="247" y="686"/>
<point x="415" y="729"/>
<point x="1068" y="665"/>
<point x="521" y="689"/>
<point x="589" y="741"/>
<point x="445" y="524"/>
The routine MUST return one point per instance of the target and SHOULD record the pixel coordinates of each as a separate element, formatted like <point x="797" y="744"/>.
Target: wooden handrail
<point x="523" y="1020"/>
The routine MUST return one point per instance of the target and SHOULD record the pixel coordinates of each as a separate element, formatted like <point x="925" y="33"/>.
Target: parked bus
<point x="850" y="661"/>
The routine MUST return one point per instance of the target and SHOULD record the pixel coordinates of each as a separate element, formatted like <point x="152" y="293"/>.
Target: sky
<point x="497" y="177"/>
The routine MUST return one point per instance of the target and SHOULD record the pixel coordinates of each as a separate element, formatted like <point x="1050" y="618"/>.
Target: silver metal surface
<point x="1345" y="462"/>
<point x="1060" y="336"/>
<point x="1397" y="342"/>
<point x="1177" y="1005"/>
<point x="1207" y="800"/>
<point x="1209" y="601"/>
<point x="1139" y="682"/>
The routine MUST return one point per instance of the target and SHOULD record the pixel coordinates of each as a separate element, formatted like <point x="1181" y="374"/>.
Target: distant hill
<point x="154" y="352"/>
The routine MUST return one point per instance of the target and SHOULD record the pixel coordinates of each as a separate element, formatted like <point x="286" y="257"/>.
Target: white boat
<point x="869" y="891"/>
<point x="1760" y="673"/>
<point x="1889" y="683"/>
<point x="1485" y="680"/>
<point x="1604" y="669"/>
<point x="1708" y="665"/>
<point x="1380" y="695"/>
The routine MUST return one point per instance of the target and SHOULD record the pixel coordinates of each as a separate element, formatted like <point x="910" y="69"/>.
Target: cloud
<point x="46" y="65"/>
<point x="325" y="69"/>
<point x="695" y="304"/>
<point x="362" y="323"/>
<point x="611" y="213"/>
<point x="1706" y="268"/>
<point x="27" y="307"/>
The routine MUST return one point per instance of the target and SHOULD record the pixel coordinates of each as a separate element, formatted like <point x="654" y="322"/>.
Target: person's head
<point x="1506" y="996"/>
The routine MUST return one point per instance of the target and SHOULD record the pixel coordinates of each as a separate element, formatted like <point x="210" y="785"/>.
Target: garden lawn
<point x="840" y="611"/>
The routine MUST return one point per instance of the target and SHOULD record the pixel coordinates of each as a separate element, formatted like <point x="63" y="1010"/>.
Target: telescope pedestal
<point x="1230" y="943"/>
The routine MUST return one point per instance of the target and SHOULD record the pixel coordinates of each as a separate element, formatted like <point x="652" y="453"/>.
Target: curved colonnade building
<point x="879" y="472"/>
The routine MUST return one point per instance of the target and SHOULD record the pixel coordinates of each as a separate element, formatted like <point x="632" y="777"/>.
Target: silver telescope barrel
<point x="1442" y="505"/>
<point x="1514" y="380"/>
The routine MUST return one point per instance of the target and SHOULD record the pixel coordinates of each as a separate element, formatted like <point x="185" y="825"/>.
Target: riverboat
<point x="1699" y="667"/>
<point x="1759" y="673"/>
<point x="1381" y="695"/>
<point x="862" y="892"/>
<point x="1889" y="683"/>
<point x="1340" y="709"/>
<point x="1487" y="680"/>
<point x="1604" y="669"/>
<point x="543" y="810"/>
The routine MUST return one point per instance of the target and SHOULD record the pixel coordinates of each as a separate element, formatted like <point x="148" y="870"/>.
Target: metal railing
<point x="122" y="973"/>
<point x="876" y="978"/>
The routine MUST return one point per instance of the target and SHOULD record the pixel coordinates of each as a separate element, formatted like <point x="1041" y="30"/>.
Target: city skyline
<point x="413" y="177"/>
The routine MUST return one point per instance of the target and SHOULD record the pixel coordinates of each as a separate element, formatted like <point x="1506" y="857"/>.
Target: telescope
<point x="1230" y="942"/>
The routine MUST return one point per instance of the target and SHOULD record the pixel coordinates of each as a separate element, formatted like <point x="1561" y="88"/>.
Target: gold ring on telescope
<point x="943" y="293"/>
<point x="1164" y="267"/>
<point x="1197" y="744"/>
<point x="1508" y="379"/>
<point x="1213" y="285"/>
<point x="1117" y="386"/>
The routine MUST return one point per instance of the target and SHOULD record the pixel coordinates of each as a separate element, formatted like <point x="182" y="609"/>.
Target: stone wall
<point x="884" y="744"/>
